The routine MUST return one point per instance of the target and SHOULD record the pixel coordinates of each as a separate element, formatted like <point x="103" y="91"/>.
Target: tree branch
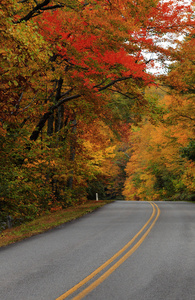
<point x="185" y="116"/>
<point x="113" y="82"/>
<point x="38" y="10"/>
<point x="125" y="95"/>
<point x="52" y="7"/>
<point x="46" y="116"/>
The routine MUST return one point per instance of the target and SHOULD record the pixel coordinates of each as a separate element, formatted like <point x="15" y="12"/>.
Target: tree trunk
<point x="50" y="125"/>
<point x="72" y="152"/>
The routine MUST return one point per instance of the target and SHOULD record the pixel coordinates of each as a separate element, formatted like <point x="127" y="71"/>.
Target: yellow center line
<point x="109" y="261"/>
<point x="118" y="263"/>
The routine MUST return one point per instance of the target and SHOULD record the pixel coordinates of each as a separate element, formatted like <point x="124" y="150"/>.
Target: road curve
<point x="125" y="250"/>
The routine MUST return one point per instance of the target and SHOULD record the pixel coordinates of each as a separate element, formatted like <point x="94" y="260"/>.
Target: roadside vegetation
<point x="47" y="222"/>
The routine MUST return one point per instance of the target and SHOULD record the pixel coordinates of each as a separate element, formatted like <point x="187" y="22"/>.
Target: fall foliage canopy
<point x="74" y="106"/>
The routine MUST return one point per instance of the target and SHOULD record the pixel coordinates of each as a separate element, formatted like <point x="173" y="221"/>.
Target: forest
<point x="80" y="111"/>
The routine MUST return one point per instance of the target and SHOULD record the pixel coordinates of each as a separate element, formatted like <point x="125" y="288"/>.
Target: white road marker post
<point x="96" y="196"/>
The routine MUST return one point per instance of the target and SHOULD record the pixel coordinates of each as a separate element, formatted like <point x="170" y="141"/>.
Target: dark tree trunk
<point x="50" y="125"/>
<point x="72" y="152"/>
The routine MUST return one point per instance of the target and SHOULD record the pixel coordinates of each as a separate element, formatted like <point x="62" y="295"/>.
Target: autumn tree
<point x="71" y="73"/>
<point x="101" y="51"/>
<point x="181" y="80"/>
<point x="162" y="160"/>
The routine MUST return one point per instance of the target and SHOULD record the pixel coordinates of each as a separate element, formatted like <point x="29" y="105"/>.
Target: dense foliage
<point x="73" y="80"/>
<point x="162" y="163"/>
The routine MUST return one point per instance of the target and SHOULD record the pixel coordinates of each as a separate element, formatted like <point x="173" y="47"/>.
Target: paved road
<point x="133" y="251"/>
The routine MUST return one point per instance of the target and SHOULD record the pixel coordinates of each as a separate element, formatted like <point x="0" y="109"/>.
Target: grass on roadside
<point x="47" y="222"/>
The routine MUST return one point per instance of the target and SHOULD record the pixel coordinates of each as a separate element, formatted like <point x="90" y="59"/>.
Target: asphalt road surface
<point x="123" y="251"/>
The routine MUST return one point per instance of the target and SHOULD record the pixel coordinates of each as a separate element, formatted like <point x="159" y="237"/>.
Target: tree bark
<point x="72" y="152"/>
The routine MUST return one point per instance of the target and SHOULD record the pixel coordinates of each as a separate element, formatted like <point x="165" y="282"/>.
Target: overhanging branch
<point x="46" y="116"/>
<point x="38" y="10"/>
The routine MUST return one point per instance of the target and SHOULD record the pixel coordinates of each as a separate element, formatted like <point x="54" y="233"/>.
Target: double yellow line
<point x="150" y="223"/>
